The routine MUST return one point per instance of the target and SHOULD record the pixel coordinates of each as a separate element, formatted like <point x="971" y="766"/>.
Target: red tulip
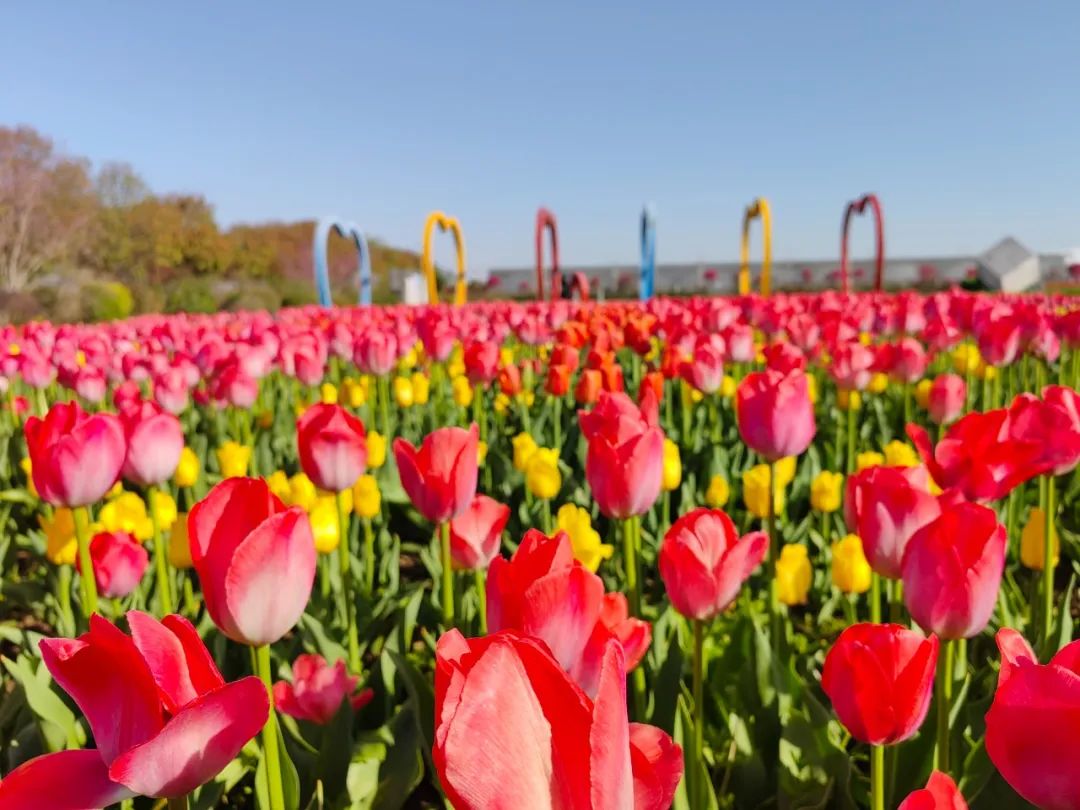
<point x="1051" y="425"/>
<point x="476" y="534"/>
<point x="558" y="381"/>
<point x="952" y="571"/>
<point x="481" y="361"/>
<point x="510" y="379"/>
<point x="255" y="559"/>
<point x="232" y="385"/>
<point x="852" y="365"/>
<point x="440" y="477"/>
<point x="513" y="731"/>
<point x="318" y="690"/>
<point x="978" y="457"/>
<point x="332" y="446"/>
<point x="164" y="720"/>
<point x="940" y="793"/>
<point x="118" y="562"/>
<point x="1033" y="726"/>
<point x="879" y="678"/>
<point x="588" y="387"/>
<point x="624" y="464"/>
<point x="704" y="562"/>
<point x="705" y="371"/>
<point x="155" y="441"/>
<point x="885" y="506"/>
<point x="948" y="395"/>
<point x="75" y="458"/>
<point x="909" y="360"/>
<point x="543" y="592"/>
<point x="653" y="380"/>
<point x="774" y="413"/>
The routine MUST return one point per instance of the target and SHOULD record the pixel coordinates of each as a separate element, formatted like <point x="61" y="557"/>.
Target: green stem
<point x="877" y="777"/>
<point x="1048" y="562"/>
<point x="86" y="564"/>
<point x="369" y="559"/>
<point x="631" y="552"/>
<point x="348" y="599"/>
<point x="270" y="733"/>
<point x="447" y="594"/>
<point x="698" y="799"/>
<point x="557" y="424"/>
<point x="946" y="664"/>
<point x="382" y="392"/>
<point x="545" y="515"/>
<point x="481" y="596"/>
<point x="179" y="803"/>
<point x="850" y="434"/>
<point x="63" y="589"/>
<point x="825" y="528"/>
<point x="190" y="606"/>
<point x="161" y="564"/>
<point x="773" y="551"/>
<point x="875" y="598"/>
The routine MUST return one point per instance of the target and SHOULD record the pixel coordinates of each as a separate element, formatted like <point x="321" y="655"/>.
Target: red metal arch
<point x="545" y="220"/>
<point x="580" y="284"/>
<point x="857" y="207"/>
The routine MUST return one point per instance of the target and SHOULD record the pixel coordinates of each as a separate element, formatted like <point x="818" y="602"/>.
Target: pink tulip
<point x="332" y="446"/>
<point x="948" y="395"/>
<point x="376" y="352"/>
<point x="952" y="571"/>
<point x="705" y="370"/>
<point x="118" y="562"/>
<point x="940" y="793"/>
<point x="163" y="718"/>
<point x="90" y="384"/>
<point x="75" y="458"/>
<point x="513" y="731"/>
<point x="624" y="463"/>
<point x="703" y="562"/>
<point x="155" y="441"/>
<point x="255" y="559"/>
<point x="476" y="534"/>
<point x="440" y="477"/>
<point x="318" y="690"/>
<point x="774" y="413"/>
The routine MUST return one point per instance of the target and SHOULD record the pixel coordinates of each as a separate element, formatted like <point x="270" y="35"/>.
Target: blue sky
<point x="963" y="117"/>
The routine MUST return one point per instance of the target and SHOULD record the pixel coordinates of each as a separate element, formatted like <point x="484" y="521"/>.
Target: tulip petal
<point x="657" y="764"/>
<point x="66" y="780"/>
<point x="562" y="608"/>
<point x="197" y="743"/>
<point x="609" y="738"/>
<point x="179" y="661"/>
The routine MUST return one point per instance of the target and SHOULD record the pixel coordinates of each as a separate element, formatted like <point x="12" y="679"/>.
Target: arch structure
<point x="859" y="206"/>
<point x="437" y="219"/>
<point x="321" y="265"/>
<point x="545" y="221"/>
<point x="647" y="281"/>
<point x="758" y="209"/>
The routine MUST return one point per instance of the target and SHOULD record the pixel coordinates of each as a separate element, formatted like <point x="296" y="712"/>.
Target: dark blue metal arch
<point x="322" y="266"/>
<point x="647" y="283"/>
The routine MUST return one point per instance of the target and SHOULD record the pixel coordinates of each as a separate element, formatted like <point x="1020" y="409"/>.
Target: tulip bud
<point x="851" y="572"/>
<point x="588" y="550"/>
<point x="718" y="492"/>
<point x="825" y="491"/>
<point x="756" y="482"/>
<point x="793" y="574"/>
<point x="542" y="476"/>
<point x="233" y="459"/>
<point x="187" y="471"/>
<point x="672" y="466"/>
<point x="367" y="499"/>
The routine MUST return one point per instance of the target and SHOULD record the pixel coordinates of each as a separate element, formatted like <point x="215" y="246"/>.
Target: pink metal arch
<point x="545" y="220"/>
<point x="857" y="207"/>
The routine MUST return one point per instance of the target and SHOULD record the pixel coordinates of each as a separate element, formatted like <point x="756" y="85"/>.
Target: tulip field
<point x="795" y="551"/>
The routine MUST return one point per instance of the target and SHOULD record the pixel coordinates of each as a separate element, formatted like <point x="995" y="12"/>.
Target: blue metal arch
<point x="647" y="283"/>
<point x="322" y="266"/>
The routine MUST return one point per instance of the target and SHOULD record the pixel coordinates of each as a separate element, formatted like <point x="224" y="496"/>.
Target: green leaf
<point x="59" y="727"/>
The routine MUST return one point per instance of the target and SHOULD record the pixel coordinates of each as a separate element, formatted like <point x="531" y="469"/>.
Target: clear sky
<point x="964" y="117"/>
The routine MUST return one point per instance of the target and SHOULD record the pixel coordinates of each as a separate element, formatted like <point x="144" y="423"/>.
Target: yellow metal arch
<point x="427" y="261"/>
<point x="758" y="209"/>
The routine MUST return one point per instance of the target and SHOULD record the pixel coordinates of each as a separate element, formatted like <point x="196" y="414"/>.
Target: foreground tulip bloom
<point x="476" y="534"/>
<point x="76" y="458"/>
<point x="155" y="441"/>
<point x="164" y="720"/>
<point x="879" y="678"/>
<point x="940" y="793"/>
<point x="544" y="592"/>
<point x="255" y="559"/>
<point x="704" y="562"/>
<point x="318" y="690"/>
<point x="332" y="446"/>
<point x="952" y="571"/>
<point x="885" y="506"/>
<point x="512" y="731"/>
<point x="1033" y="726"/>
<point x="119" y="563"/>
<point x="624" y="464"/>
<point x="440" y="477"/>
<point x="775" y="414"/>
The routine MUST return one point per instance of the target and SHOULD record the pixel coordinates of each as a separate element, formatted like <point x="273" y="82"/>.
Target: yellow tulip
<point x="179" y="545"/>
<point x="187" y="471"/>
<point x="116" y="491"/>
<point x="728" y="387"/>
<point x="793" y="574"/>
<point x="367" y="499"/>
<point x="672" y="466"/>
<point x="126" y="513"/>
<point x="353" y="392"/>
<point x="524" y="446"/>
<point x="302" y="492"/>
<point x="376" y="449"/>
<point x="922" y="393"/>
<point x="324" y="525"/>
<point x="506" y="356"/>
<point x="756" y="492"/>
<point x="60" y="544"/>
<point x="718" y="492"/>
<point x="328" y="393"/>
<point x="878" y="383"/>
<point x="481" y="453"/>
<point x="811" y="388"/>
<point x="403" y="392"/>
<point x="502" y="403"/>
<point x="848" y="400"/>
<point x="966" y="358"/>
<point x="1032" y="550"/>
<point x="899" y="454"/>
<point x="278" y="482"/>
<point x="462" y="391"/>
<point x="868" y="459"/>
<point x="542" y="475"/>
<point x="421" y="386"/>
<point x="588" y="550"/>
<point x="785" y="471"/>
<point x="27" y="470"/>
<point x="233" y="459"/>
<point x="850" y="570"/>
<point x="164" y="508"/>
<point x="985" y="371"/>
<point x="865" y="339"/>
<point x="826" y="491"/>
